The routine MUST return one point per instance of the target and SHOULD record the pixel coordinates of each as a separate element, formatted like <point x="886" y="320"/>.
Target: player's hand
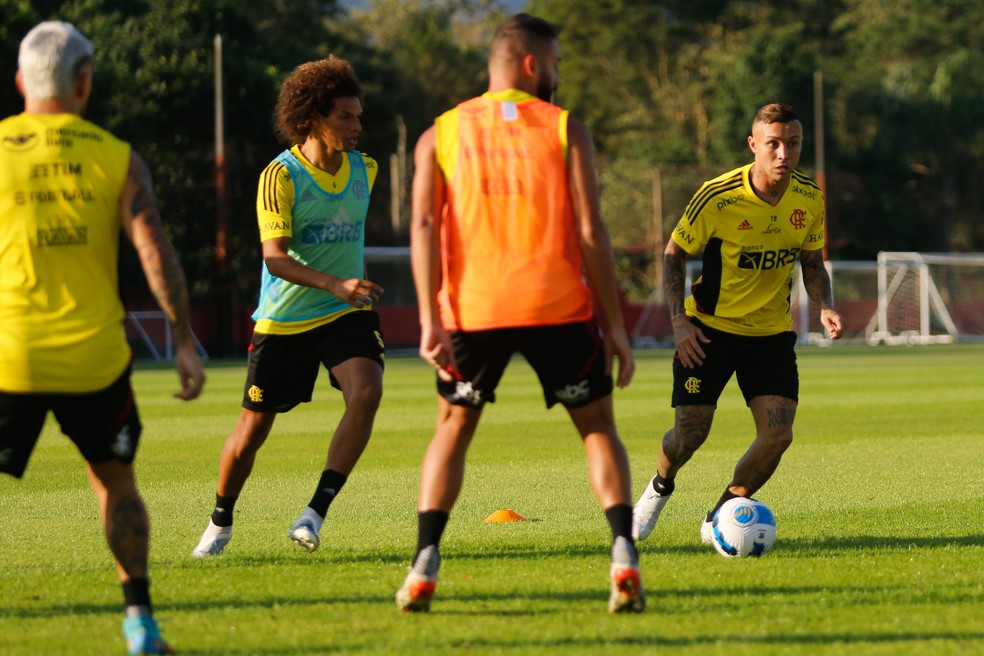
<point x="831" y="320"/>
<point x="617" y="346"/>
<point x="688" y="341"/>
<point x="191" y="372"/>
<point x="437" y="351"/>
<point x="357" y="293"/>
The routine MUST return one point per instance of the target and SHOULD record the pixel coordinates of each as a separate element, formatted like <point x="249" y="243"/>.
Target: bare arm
<point x="141" y="222"/>
<point x="687" y="336"/>
<point x="596" y="247"/>
<point x="817" y="283"/>
<point x="427" y="206"/>
<point x="353" y="291"/>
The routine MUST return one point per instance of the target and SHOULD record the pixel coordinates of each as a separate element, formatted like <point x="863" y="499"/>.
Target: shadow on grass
<point x="495" y="604"/>
<point x="479" y="604"/>
<point x="907" y="642"/>
<point x="832" y="545"/>
<point x="877" y="542"/>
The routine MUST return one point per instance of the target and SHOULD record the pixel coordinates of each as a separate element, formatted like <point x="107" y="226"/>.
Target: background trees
<point x="668" y="89"/>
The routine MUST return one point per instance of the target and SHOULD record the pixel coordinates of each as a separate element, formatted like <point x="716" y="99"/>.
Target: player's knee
<point x="779" y="439"/>
<point x="683" y="441"/>
<point x="365" y="397"/>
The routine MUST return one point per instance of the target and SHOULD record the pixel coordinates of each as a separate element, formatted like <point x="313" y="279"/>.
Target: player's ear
<point x="83" y="84"/>
<point x="529" y="65"/>
<point x="751" y="143"/>
<point x="19" y="81"/>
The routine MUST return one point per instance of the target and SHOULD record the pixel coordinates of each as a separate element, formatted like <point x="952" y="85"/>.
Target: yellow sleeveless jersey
<point x="61" y="319"/>
<point x="511" y="251"/>
<point x="749" y="248"/>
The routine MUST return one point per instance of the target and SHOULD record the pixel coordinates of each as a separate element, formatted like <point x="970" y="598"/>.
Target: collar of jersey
<point x="322" y="178"/>
<point x="514" y="95"/>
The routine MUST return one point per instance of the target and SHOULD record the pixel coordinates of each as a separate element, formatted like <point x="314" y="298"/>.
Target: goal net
<point x="902" y="298"/>
<point x="928" y="298"/>
<point x="149" y="335"/>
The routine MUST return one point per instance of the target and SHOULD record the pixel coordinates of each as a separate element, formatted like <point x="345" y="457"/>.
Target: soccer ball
<point x="743" y="527"/>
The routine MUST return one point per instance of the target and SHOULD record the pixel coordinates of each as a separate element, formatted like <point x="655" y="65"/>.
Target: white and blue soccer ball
<point x="743" y="528"/>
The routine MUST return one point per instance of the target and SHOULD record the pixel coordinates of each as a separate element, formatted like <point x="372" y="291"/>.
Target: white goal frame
<point x="136" y="321"/>
<point x="898" y="265"/>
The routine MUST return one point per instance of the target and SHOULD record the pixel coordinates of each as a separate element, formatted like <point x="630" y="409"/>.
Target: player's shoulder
<point x="719" y="192"/>
<point x="805" y="185"/>
<point x="735" y="176"/>
<point x="276" y="169"/>
<point x="19" y="132"/>
<point x="369" y="162"/>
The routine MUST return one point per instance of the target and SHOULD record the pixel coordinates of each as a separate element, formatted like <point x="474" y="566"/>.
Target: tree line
<point x="668" y="89"/>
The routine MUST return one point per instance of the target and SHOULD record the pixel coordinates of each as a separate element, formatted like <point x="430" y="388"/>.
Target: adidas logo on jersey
<point x="745" y="225"/>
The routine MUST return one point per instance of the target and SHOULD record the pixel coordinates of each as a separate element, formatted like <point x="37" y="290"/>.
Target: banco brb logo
<point x="767" y="260"/>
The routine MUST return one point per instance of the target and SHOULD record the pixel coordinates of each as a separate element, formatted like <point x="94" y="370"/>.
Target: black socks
<point x="328" y="488"/>
<point x="136" y="596"/>
<point x="727" y="496"/>
<point x="663" y="486"/>
<point x="222" y="515"/>
<point x="430" y="527"/>
<point x="620" y="519"/>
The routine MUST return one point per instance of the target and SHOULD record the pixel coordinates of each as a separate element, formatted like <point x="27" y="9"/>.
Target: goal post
<point x="928" y="298"/>
<point x="900" y="298"/>
<point x="149" y="334"/>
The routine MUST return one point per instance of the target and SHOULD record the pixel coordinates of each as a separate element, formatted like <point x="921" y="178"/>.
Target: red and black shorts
<point x="104" y="425"/>
<point x="763" y="365"/>
<point x="569" y="360"/>
<point x="283" y="368"/>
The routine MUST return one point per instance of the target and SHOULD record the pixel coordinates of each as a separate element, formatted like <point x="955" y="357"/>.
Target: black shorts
<point x="283" y="368"/>
<point x="764" y="366"/>
<point x="104" y="425"/>
<point x="569" y="360"/>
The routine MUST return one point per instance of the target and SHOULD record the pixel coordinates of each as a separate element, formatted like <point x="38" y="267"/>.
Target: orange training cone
<point x="505" y="515"/>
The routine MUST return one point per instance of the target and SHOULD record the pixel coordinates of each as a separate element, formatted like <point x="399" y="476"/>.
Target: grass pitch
<point x="879" y="548"/>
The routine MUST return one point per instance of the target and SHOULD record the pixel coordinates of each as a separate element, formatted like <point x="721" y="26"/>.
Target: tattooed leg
<point x="124" y="517"/>
<point x="690" y="430"/>
<point x="774" y="417"/>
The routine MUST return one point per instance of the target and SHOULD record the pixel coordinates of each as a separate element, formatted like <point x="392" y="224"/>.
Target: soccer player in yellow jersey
<point x="505" y="223"/>
<point x="68" y="189"/>
<point x="750" y="225"/>
<point x="315" y="306"/>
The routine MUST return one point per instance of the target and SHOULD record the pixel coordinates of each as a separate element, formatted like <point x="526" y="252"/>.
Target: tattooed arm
<point x="688" y="337"/>
<point x="817" y="283"/>
<point x="142" y="223"/>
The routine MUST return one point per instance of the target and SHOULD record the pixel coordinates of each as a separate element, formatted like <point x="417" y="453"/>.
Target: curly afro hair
<point x="309" y="92"/>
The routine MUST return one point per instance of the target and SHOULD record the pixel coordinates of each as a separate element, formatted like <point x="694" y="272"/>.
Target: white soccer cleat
<point x="707" y="529"/>
<point x="627" y="595"/>
<point x="305" y="530"/>
<point x="646" y="512"/>
<point x="418" y="588"/>
<point x="213" y="541"/>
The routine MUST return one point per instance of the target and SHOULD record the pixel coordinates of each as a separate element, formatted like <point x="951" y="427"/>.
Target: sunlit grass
<point x="878" y="551"/>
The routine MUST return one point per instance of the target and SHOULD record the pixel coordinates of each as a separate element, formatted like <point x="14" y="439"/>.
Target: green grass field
<point x="880" y="548"/>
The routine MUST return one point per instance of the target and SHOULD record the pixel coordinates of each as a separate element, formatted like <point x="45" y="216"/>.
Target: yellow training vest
<point x="61" y="179"/>
<point x="511" y="251"/>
